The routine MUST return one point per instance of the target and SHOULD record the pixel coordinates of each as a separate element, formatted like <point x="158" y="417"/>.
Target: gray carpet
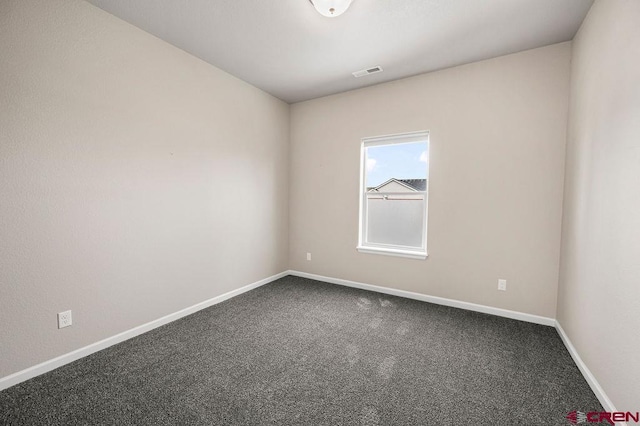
<point x="299" y="351"/>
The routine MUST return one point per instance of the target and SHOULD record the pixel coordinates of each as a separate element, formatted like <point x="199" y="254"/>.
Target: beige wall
<point x="599" y="294"/>
<point x="497" y="143"/>
<point x="135" y="179"/>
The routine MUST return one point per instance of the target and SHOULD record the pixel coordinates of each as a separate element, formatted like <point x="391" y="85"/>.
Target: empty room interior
<point x="320" y="212"/>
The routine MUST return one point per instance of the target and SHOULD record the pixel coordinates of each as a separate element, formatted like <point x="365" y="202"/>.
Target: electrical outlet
<point x="502" y="285"/>
<point x="308" y="256"/>
<point x="64" y="319"/>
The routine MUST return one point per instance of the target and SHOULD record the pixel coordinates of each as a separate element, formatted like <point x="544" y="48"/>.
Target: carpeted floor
<point x="299" y="351"/>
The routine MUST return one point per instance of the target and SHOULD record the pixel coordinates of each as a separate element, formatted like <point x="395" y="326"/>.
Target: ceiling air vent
<point x="362" y="73"/>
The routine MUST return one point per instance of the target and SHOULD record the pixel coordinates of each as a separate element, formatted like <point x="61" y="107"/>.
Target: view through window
<point x="393" y="205"/>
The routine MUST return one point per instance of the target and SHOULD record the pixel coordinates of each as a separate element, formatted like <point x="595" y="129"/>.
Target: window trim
<point x="390" y="250"/>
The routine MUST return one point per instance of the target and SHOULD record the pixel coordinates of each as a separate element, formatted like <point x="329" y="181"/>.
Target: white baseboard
<point x="589" y="377"/>
<point x="52" y="364"/>
<point x="432" y="299"/>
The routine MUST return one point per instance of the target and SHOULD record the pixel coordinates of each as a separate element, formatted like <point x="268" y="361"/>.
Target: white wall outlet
<point x="502" y="285"/>
<point x="308" y="256"/>
<point x="64" y="319"/>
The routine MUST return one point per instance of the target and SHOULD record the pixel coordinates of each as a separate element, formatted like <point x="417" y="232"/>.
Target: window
<point x="393" y="195"/>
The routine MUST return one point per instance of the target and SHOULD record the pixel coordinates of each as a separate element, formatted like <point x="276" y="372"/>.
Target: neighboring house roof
<point x="411" y="184"/>
<point x="417" y="184"/>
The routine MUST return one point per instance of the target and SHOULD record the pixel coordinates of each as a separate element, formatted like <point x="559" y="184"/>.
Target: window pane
<point x="395" y="219"/>
<point x="400" y="161"/>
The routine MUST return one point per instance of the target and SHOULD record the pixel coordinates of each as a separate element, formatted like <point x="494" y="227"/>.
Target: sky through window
<point x="400" y="161"/>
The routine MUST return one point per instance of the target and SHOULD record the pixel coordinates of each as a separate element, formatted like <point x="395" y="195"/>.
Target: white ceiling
<point x="288" y="49"/>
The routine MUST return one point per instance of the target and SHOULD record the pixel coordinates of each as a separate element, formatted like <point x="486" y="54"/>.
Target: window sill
<point x="393" y="252"/>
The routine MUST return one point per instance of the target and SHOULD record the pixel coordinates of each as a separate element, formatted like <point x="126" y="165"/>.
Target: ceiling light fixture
<point x="331" y="8"/>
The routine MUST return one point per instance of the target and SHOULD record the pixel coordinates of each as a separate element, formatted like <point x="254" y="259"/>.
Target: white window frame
<point x="388" y="249"/>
